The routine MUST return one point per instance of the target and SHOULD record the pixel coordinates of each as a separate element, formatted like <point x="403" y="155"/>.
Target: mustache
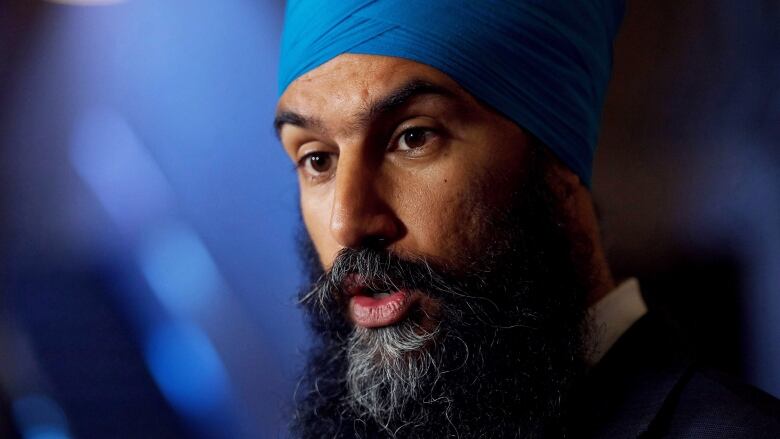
<point x="377" y="270"/>
<point x="381" y="270"/>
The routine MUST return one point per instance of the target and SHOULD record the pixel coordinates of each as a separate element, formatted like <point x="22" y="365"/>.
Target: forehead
<point x="350" y="81"/>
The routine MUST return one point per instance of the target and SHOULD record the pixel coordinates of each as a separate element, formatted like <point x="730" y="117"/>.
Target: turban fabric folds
<point x="544" y="64"/>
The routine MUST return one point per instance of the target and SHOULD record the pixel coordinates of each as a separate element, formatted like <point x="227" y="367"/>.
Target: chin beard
<point x="496" y="356"/>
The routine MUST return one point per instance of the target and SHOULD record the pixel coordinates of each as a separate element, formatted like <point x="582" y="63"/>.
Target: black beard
<point x="500" y="363"/>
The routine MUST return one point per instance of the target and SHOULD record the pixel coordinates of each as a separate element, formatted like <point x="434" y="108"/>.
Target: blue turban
<point x="544" y="64"/>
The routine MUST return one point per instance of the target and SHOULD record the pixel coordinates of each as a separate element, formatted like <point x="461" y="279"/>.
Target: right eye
<point x="316" y="163"/>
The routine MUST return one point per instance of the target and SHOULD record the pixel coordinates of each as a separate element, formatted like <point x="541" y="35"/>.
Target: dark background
<point x="147" y="270"/>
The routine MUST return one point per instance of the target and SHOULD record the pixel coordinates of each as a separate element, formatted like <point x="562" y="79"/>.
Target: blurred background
<point x="148" y="216"/>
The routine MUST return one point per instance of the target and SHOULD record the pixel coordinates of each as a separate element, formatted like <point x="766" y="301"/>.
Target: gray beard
<point x="500" y="362"/>
<point x="487" y="369"/>
<point x="388" y="369"/>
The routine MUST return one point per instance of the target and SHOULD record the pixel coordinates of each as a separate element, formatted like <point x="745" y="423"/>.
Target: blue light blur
<point x="179" y="269"/>
<point x="46" y="434"/>
<point x="108" y="155"/>
<point x="152" y="123"/>
<point x="40" y="417"/>
<point x="188" y="369"/>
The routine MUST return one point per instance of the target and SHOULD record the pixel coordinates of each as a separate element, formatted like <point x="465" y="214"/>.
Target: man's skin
<point x="393" y="153"/>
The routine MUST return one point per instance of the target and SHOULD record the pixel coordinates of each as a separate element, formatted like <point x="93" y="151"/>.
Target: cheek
<point x="463" y="217"/>
<point x="316" y="212"/>
<point x="444" y="213"/>
<point x="451" y="208"/>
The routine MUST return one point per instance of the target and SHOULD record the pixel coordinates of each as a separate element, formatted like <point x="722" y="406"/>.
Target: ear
<point x="573" y="198"/>
<point x="576" y="211"/>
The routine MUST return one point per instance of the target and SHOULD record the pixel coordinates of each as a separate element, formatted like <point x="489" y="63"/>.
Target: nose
<point x="361" y="216"/>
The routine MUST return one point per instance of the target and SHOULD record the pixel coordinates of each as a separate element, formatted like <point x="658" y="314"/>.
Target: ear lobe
<point x="562" y="181"/>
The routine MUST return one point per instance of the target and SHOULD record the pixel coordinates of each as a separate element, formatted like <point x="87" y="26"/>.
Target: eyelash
<point x="301" y="163"/>
<point x="427" y="130"/>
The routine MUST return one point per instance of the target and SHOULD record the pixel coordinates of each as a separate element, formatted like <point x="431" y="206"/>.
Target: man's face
<point x="394" y="151"/>
<point x="444" y="287"/>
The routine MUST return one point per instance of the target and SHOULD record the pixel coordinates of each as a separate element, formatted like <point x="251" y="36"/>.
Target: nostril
<point x="375" y="242"/>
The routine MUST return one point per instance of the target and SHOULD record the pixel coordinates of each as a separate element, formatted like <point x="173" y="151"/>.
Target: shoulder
<point x="709" y="404"/>
<point x="649" y="385"/>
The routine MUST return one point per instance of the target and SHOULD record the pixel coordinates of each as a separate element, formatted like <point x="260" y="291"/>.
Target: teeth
<point x="381" y="295"/>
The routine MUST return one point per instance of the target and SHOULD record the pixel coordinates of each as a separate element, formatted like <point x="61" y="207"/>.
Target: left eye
<point x="414" y="138"/>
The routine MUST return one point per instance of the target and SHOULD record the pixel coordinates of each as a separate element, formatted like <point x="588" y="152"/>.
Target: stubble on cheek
<point x="466" y="219"/>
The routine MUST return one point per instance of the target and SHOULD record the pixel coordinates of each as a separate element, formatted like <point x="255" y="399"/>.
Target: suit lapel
<point x="625" y="394"/>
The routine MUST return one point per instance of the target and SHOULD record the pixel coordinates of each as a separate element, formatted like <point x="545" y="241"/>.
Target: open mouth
<point x="372" y="308"/>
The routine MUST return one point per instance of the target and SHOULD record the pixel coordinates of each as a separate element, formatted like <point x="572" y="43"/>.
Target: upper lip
<point x="356" y="285"/>
<point x="353" y="285"/>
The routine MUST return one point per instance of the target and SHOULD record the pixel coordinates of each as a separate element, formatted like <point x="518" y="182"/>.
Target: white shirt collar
<point x="611" y="317"/>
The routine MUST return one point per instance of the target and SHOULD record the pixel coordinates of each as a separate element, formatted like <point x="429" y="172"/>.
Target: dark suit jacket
<point x="648" y="387"/>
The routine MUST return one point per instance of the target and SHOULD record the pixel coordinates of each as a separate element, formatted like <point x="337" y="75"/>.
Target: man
<point x="459" y="284"/>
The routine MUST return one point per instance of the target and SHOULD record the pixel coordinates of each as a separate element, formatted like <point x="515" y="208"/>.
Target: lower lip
<point x="370" y="312"/>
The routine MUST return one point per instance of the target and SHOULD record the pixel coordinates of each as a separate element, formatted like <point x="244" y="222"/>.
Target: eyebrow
<point x="293" y="118"/>
<point x="394" y="100"/>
